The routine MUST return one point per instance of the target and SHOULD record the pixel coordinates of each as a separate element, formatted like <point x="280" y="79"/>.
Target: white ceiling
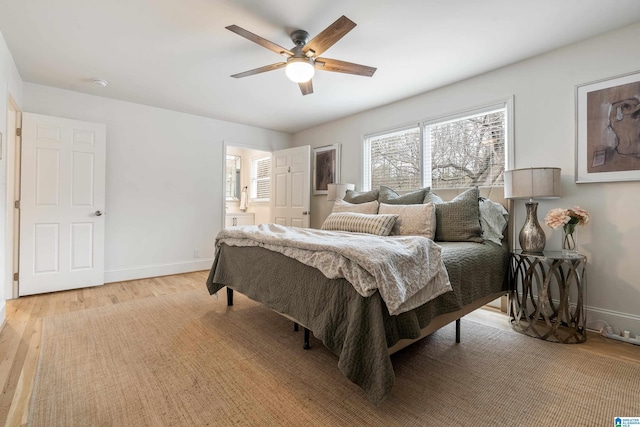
<point x="179" y="56"/>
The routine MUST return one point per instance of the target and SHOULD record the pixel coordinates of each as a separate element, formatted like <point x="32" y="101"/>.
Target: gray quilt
<point x="357" y="329"/>
<point x="407" y="270"/>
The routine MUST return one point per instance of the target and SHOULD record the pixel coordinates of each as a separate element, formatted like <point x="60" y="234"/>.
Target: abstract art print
<point x="608" y="130"/>
<point x="326" y="168"/>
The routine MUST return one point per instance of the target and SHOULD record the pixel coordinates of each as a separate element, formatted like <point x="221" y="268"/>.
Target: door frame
<point x="12" y="214"/>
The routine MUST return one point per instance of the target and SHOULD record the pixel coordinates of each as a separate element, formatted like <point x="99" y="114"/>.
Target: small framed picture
<point x="608" y="130"/>
<point x="326" y="168"/>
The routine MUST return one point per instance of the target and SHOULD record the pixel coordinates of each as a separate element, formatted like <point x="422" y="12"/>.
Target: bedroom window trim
<point x="370" y="139"/>
<point x="504" y="104"/>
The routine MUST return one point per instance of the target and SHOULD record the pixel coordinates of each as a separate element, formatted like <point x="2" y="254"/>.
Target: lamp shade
<point x="338" y="191"/>
<point x="299" y="70"/>
<point x="532" y="183"/>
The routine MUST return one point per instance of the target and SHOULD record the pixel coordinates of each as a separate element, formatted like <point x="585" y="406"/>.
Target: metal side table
<point x="546" y="295"/>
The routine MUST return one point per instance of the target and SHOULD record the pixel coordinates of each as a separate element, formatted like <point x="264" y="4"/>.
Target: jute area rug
<point x="188" y="359"/>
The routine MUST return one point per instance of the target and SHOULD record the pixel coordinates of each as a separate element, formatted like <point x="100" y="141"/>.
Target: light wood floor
<point x="20" y="336"/>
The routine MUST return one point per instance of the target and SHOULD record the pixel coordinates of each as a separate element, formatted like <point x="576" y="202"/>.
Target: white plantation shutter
<point x="261" y="178"/>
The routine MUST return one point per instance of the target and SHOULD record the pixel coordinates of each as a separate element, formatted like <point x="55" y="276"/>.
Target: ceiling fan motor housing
<point x="300" y="37"/>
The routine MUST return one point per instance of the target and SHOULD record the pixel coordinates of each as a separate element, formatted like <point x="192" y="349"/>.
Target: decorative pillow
<point x="366" y="208"/>
<point x="360" y="223"/>
<point x="357" y="198"/>
<point x="493" y="220"/>
<point x="413" y="220"/>
<point x="432" y="197"/>
<point x="459" y="219"/>
<point x="389" y="196"/>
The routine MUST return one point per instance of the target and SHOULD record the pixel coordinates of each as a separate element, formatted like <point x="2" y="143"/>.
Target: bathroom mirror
<point x="232" y="185"/>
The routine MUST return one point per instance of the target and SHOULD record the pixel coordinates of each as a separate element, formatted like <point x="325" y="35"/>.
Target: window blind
<point x="467" y="151"/>
<point x="394" y="159"/>
<point x="459" y="150"/>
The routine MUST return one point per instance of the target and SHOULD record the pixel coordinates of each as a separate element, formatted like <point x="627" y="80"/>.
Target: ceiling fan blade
<point x="259" y="40"/>
<point x="337" y="66"/>
<point x="329" y="36"/>
<point x="306" y="87"/>
<point x="260" y="70"/>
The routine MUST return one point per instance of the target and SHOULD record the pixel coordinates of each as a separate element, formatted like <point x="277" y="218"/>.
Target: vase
<point x="532" y="237"/>
<point x="569" y="240"/>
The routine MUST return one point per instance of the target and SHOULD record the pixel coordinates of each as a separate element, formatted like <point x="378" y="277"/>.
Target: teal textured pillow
<point x="459" y="219"/>
<point x="390" y="197"/>
<point x="356" y="198"/>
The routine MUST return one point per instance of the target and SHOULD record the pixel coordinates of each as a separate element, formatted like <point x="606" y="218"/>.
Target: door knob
<point x="98" y="213"/>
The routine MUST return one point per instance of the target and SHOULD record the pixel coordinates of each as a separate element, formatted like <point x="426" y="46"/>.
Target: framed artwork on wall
<point x="608" y="130"/>
<point x="326" y="168"/>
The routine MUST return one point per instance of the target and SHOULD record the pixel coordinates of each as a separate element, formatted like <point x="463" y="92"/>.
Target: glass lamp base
<point x="532" y="237"/>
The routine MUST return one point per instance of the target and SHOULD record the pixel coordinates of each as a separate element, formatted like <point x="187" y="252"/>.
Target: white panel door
<point x="61" y="204"/>
<point x="291" y="187"/>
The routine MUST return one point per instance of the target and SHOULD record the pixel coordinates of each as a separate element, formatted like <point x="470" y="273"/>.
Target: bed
<point x="360" y="329"/>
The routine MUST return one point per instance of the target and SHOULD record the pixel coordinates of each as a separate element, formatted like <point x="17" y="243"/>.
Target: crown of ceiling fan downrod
<point x="300" y="37"/>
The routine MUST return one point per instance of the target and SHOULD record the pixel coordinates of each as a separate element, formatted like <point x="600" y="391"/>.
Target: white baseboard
<point x="616" y="319"/>
<point x="156" y="270"/>
<point x="596" y="318"/>
<point x="3" y="313"/>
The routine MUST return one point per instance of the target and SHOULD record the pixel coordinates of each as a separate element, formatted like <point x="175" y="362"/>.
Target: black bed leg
<point x="306" y="345"/>
<point x="458" y="331"/>
<point x="229" y="296"/>
<point x="295" y="327"/>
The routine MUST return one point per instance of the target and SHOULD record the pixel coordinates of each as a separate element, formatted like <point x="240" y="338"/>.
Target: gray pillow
<point x="432" y="197"/>
<point x="366" y="208"/>
<point x="459" y="219"/>
<point x="493" y="220"/>
<point x="390" y="197"/>
<point x="355" y="197"/>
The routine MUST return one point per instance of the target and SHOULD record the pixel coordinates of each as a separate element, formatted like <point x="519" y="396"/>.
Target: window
<point x="455" y="151"/>
<point x="393" y="159"/>
<point x="261" y="178"/>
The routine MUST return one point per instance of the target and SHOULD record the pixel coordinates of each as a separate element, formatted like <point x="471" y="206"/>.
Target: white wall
<point x="544" y="90"/>
<point x="164" y="189"/>
<point x="10" y="86"/>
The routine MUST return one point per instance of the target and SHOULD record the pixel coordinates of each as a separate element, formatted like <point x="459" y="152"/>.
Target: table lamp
<point x="532" y="183"/>
<point x="338" y="191"/>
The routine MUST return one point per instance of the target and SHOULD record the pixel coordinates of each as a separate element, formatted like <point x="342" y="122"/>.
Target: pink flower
<point x="580" y="214"/>
<point x="559" y="217"/>
<point x="556" y="218"/>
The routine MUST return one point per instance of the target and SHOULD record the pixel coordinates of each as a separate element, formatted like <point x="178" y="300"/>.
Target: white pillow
<point x="413" y="220"/>
<point x="493" y="219"/>
<point x="366" y="208"/>
<point x="360" y="223"/>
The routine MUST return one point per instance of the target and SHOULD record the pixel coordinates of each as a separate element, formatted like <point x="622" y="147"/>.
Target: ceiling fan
<point x="304" y="57"/>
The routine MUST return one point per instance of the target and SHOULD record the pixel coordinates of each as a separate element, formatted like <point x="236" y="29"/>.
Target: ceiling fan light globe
<point x="299" y="71"/>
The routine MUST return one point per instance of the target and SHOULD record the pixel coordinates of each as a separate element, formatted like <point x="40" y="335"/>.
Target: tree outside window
<point x="456" y="152"/>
